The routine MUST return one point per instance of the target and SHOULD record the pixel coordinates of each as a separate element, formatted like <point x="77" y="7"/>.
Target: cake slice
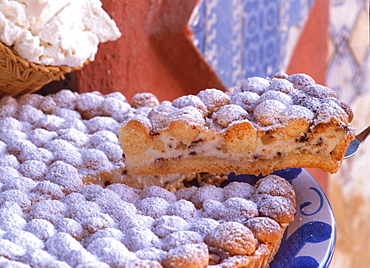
<point x="265" y="125"/>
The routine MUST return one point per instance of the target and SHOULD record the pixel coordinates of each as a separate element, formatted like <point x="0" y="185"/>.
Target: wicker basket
<point x="18" y="76"/>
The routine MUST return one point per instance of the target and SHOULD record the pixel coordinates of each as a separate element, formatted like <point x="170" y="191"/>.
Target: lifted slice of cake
<point x="265" y="125"/>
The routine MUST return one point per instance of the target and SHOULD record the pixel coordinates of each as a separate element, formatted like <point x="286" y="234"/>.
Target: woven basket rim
<point x="19" y="76"/>
<point x="14" y="56"/>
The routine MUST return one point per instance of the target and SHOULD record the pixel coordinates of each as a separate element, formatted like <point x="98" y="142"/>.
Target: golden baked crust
<point x="266" y="125"/>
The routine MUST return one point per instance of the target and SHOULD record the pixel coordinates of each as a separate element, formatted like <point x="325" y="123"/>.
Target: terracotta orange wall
<point x="154" y="53"/>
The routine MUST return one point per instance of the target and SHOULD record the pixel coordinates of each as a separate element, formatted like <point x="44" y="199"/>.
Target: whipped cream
<point x="56" y="32"/>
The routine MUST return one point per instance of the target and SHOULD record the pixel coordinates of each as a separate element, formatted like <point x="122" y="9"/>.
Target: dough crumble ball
<point x="89" y="104"/>
<point x="28" y="113"/>
<point x="268" y="112"/>
<point x="10" y="250"/>
<point x="182" y="208"/>
<point x="282" y="85"/>
<point x="319" y="91"/>
<point x="38" y="154"/>
<point x="90" y="191"/>
<point x="82" y="210"/>
<point x="49" y="122"/>
<point x="166" y="225"/>
<point x="247" y="100"/>
<point x="203" y="226"/>
<point x="30" y="99"/>
<point x="213" y="99"/>
<point x="39" y="258"/>
<point x="159" y="115"/>
<point x="144" y="100"/>
<point x="18" y="183"/>
<point x="110" y="251"/>
<point x="16" y="196"/>
<point x="107" y="232"/>
<point x="279" y="208"/>
<point x="276" y="186"/>
<point x="25" y="239"/>
<point x="78" y="258"/>
<point x="228" y="114"/>
<point x="330" y="110"/>
<point x="187" y="256"/>
<point x="73" y="136"/>
<point x="60" y="244"/>
<point x="151" y="253"/>
<point x="156" y="191"/>
<point x="139" y="238"/>
<point x="40" y="137"/>
<point x="126" y="193"/>
<point x="41" y="228"/>
<point x="106" y="196"/>
<point x="115" y="108"/>
<point x="265" y="229"/>
<point x="118" y="209"/>
<point x="9" y="160"/>
<point x="131" y="221"/>
<point x="190" y="100"/>
<point x="48" y="105"/>
<point x="180" y="238"/>
<point x="153" y="206"/>
<point x="99" y="123"/>
<point x="11" y="207"/>
<point x="113" y="151"/>
<point x="10" y="123"/>
<point x="11" y="136"/>
<point x="7" y="172"/>
<point x="238" y="189"/>
<point x="10" y="221"/>
<point x="64" y="175"/>
<point x="73" y="198"/>
<point x="232" y="237"/>
<point x="17" y="147"/>
<point x="300" y="81"/>
<point x="8" y="106"/>
<point x="101" y="137"/>
<point x="117" y="96"/>
<point x="236" y="209"/>
<point x="47" y="190"/>
<point x="186" y="193"/>
<point x="66" y="99"/>
<point x="70" y="227"/>
<point x="50" y="210"/>
<point x="257" y="85"/>
<point x="61" y="149"/>
<point x="33" y="169"/>
<point x="277" y="96"/>
<point x="207" y="192"/>
<point x="94" y="161"/>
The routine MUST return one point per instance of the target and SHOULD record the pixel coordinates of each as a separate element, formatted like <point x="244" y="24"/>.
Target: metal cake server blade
<point x="355" y="144"/>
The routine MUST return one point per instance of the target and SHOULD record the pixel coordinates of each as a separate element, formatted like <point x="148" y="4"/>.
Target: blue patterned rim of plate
<point x="310" y="239"/>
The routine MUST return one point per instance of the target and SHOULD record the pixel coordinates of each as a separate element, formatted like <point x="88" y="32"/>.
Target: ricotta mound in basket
<point x="265" y="125"/>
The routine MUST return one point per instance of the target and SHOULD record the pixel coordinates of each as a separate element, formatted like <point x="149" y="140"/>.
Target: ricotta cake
<point x="67" y="199"/>
<point x="267" y="124"/>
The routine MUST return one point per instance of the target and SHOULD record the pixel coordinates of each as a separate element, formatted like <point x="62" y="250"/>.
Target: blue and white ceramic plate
<point x="308" y="241"/>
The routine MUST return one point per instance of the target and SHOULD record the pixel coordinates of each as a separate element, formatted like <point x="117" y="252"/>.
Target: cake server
<point x="355" y="144"/>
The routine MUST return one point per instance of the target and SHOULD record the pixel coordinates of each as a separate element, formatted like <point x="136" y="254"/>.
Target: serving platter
<point x="310" y="239"/>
